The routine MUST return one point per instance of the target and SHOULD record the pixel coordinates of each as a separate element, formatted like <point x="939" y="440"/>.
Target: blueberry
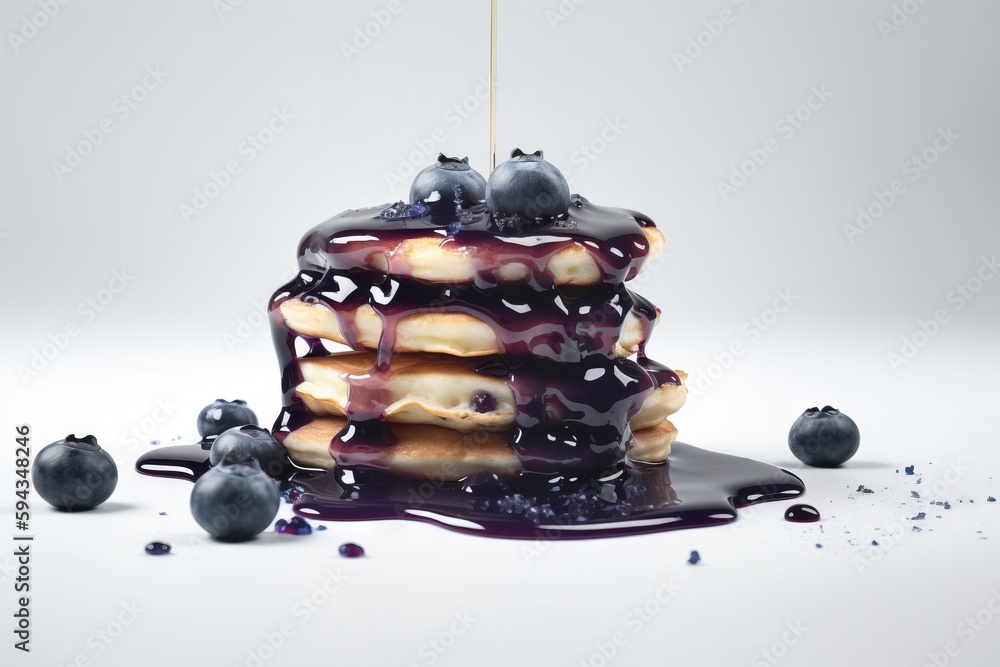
<point x="483" y="402"/>
<point x="824" y="438"/>
<point x="221" y="415"/>
<point x="453" y="179"/>
<point x="74" y="474"/>
<point x="694" y="558"/>
<point x="235" y="500"/>
<point x="251" y="442"/>
<point x="528" y="186"/>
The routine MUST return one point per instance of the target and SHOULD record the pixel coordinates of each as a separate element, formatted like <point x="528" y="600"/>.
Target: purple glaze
<point x="801" y="513"/>
<point x="694" y="488"/>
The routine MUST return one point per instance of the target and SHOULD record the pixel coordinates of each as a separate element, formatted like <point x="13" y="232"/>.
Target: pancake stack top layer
<point x="489" y="336"/>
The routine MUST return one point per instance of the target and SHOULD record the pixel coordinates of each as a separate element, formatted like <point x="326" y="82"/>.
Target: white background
<point x="187" y="327"/>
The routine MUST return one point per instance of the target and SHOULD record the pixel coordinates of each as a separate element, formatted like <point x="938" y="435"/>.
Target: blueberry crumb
<point x="920" y="516"/>
<point x="914" y="494"/>
<point x="874" y="543"/>
<point x="321" y="527"/>
<point x="916" y="529"/>
<point x="694" y="557"/>
<point x="163" y="514"/>
<point x="991" y="499"/>
<point x="864" y="489"/>
<point x="819" y="546"/>
<point x="909" y="470"/>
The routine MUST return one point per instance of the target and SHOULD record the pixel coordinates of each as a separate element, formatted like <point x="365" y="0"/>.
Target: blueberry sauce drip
<point x="157" y="548"/>
<point x="351" y="550"/>
<point x="801" y="513"/>
<point x="694" y="488"/>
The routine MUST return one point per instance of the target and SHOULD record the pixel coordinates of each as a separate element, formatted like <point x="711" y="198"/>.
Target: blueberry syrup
<point x="351" y="550"/>
<point x="694" y="488"/>
<point x="802" y="514"/>
<point x="157" y="548"/>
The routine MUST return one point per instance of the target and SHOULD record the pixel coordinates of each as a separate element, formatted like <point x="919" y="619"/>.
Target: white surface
<point x="167" y="339"/>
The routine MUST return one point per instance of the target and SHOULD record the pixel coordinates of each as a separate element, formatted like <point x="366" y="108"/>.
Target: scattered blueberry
<point x="157" y="548"/>
<point x="801" y="513"/>
<point x="453" y="179"/>
<point x="235" y="500"/>
<point x="920" y="516"/>
<point x="991" y="499"/>
<point x="908" y="470"/>
<point x="483" y="402"/>
<point x="221" y="415"/>
<point x="297" y="526"/>
<point x="694" y="557"/>
<point x="824" y="438"/>
<point x="243" y="443"/>
<point x="864" y="489"/>
<point x="351" y="550"/>
<point x="527" y="186"/>
<point x="320" y="527"/>
<point x="74" y="474"/>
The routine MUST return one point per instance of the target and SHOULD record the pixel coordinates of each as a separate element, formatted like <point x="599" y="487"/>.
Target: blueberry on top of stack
<point x="489" y="327"/>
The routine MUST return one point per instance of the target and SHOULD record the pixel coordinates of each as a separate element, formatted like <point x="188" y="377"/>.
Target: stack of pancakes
<point x="474" y="346"/>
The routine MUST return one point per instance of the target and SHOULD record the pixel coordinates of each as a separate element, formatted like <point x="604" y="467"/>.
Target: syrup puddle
<point x="695" y="488"/>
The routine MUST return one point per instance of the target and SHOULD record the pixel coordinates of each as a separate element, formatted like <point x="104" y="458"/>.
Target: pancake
<point x="439" y="390"/>
<point x="432" y="330"/>
<point x="445" y="455"/>
<point x="590" y="244"/>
